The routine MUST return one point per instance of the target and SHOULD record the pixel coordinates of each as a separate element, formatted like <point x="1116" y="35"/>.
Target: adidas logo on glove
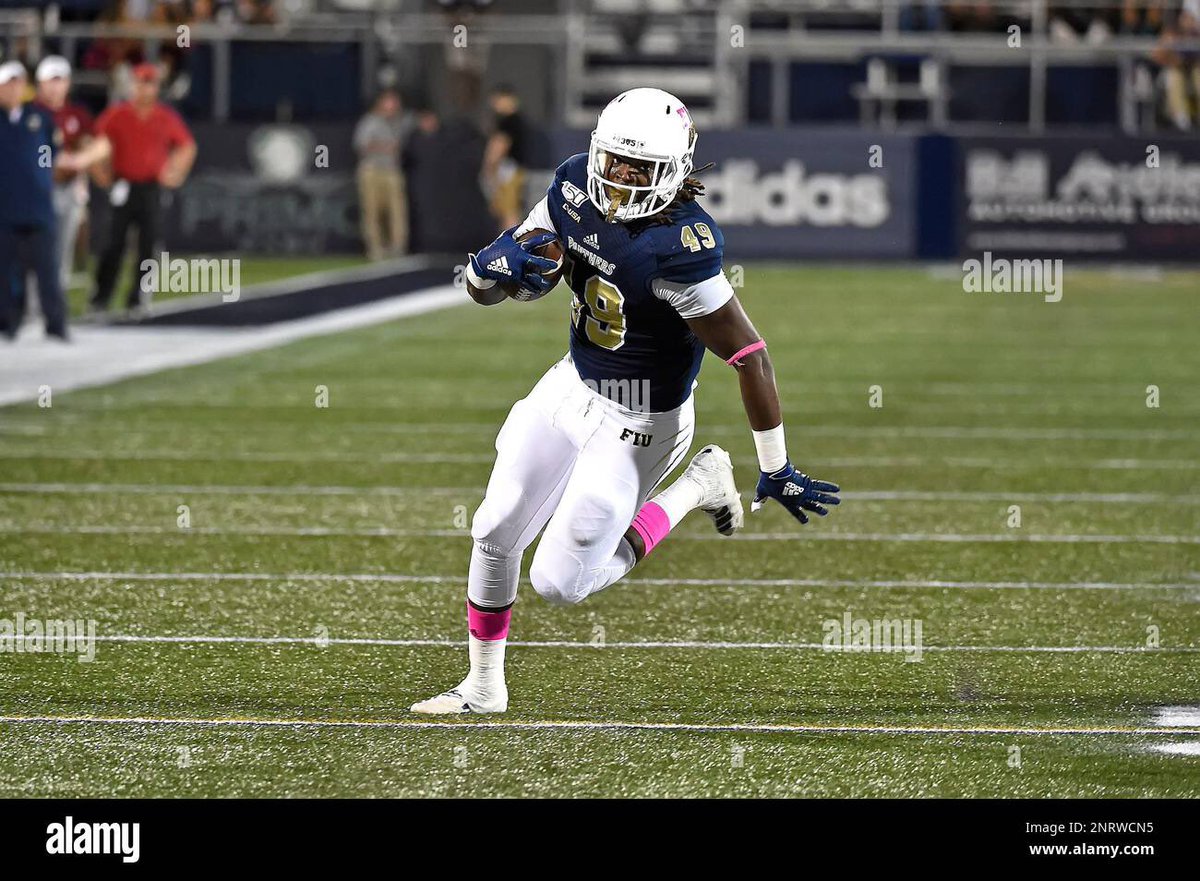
<point x="500" y="264"/>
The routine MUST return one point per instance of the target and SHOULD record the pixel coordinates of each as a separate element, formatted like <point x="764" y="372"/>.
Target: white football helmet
<point x="649" y="125"/>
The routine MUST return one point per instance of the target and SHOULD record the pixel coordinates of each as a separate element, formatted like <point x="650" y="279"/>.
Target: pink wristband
<point x="736" y="360"/>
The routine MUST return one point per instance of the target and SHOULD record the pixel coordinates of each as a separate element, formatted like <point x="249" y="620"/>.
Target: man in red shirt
<point x="151" y="148"/>
<point x="75" y="125"/>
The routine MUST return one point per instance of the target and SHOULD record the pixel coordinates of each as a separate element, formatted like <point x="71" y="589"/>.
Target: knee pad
<point x="493" y="523"/>
<point x="556" y="576"/>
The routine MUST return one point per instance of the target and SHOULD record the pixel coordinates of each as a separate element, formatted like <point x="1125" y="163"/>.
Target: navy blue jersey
<point x="624" y="333"/>
<point x="26" y="178"/>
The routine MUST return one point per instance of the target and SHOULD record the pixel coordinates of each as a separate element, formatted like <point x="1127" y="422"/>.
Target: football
<point x="552" y="250"/>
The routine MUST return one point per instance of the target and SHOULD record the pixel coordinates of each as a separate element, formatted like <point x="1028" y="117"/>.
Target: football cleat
<point x="463" y="700"/>
<point x="712" y="469"/>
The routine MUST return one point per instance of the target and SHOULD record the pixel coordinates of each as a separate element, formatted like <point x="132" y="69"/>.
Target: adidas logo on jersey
<point x="500" y="264"/>
<point x="592" y="241"/>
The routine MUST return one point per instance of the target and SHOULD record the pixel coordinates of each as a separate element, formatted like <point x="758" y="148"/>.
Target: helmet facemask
<point x="629" y="202"/>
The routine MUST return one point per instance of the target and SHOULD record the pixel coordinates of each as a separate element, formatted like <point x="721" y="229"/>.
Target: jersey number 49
<point x="602" y="312"/>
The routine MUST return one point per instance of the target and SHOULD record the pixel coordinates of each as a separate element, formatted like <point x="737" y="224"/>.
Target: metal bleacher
<point x="734" y="62"/>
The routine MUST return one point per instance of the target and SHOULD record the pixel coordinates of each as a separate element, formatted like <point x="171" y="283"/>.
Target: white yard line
<point x="950" y="537"/>
<point x="1177" y="720"/>
<point x="1177" y="717"/>
<point x="388" y="532"/>
<point x="322" y="642"/>
<point x="1184" y="748"/>
<point x="220" y="489"/>
<point x="582" y="725"/>
<point x="382" y="457"/>
<point x="58" y="488"/>
<point x="28" y="424"/>
<point x="103" y="355"/>
<point x="278" y="578"/>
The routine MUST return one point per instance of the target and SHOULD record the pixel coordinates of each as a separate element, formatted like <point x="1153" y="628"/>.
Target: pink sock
<point x="652" y="524"/>
<point x="488" y="626"/>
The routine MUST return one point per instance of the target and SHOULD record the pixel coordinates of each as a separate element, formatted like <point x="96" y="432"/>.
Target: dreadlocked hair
<point x="691" y="188"/>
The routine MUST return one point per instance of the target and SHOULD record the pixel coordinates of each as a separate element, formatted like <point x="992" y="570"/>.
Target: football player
<point x="578" y="459"/>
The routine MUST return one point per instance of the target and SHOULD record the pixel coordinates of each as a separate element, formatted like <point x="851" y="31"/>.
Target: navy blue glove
<point x="506" y="260"/>
<point x="795" y="491"/>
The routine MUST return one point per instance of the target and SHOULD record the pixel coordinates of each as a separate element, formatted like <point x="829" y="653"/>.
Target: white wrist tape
<point x="772" y="449"/>
<point x="477" y="281"/>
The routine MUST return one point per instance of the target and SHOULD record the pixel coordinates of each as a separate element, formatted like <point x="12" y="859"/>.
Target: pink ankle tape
<point x="652" y="524"/>
<point x="488" y="626"/>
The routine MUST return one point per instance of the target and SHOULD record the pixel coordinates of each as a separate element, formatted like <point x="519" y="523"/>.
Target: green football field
<point x="268" y="639"/>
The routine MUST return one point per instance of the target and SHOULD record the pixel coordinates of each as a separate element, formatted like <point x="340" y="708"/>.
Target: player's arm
<point x="506" y="260"/>
<point x="497" y="148"/>
<point x="179" y="165"/>
<point x="725" y="333"/>
<point x="97" y="149"/>
<point x="728" y="333"/>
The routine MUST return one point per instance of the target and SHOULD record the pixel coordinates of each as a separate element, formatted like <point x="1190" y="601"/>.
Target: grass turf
<point x="342" y="531"/>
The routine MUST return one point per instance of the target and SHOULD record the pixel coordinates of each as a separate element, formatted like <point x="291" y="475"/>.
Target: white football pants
<point x="581" y="465"/>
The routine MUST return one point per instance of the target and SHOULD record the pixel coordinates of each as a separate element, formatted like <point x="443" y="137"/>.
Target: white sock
<point x="487" y="664"/>
<point x="679" y="498"/>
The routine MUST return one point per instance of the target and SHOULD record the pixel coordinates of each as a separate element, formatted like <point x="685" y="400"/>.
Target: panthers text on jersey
<point x="633" y="286"/>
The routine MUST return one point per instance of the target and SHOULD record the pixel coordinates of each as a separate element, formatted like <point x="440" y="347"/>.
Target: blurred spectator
<point x="256" y="11"/>
<point x="1142" y="18"/>
<point x="923" y="15"/>
<point x="1179" y="54"/>
<point x="442" y="162"/>
<point x="108" y="52"/>
<point x="151" y="148"/>
<point x="27" y="229"/>
<point x="1070" y="23"/>
<point x="971" y="16"/>
<point x="75" y="126"/>
<point x="505" y="158"/>
<point x="378" y="140"/>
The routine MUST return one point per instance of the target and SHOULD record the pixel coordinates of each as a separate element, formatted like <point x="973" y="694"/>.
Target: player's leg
<point x="534" y="459"/>
<point x="708" y="484"/>
<point x="589" y="543"/>
<point x="46" y="266"/>
<point x="113" y="255"/>
<point x="12" y="282"/>
<point x="148" y="209"/>
<point x="370" y="203"/>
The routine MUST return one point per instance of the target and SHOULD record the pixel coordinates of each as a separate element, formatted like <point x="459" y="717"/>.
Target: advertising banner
<point x="273" y="188"/>
<point x="1114" y="199"/>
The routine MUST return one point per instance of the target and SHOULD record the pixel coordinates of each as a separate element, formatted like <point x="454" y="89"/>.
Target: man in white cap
<point x="28" y="147"/>
<point x="76" y="126"/>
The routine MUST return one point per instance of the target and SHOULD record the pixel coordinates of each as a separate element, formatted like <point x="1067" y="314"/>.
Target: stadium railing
<point x="730" y="76"/>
